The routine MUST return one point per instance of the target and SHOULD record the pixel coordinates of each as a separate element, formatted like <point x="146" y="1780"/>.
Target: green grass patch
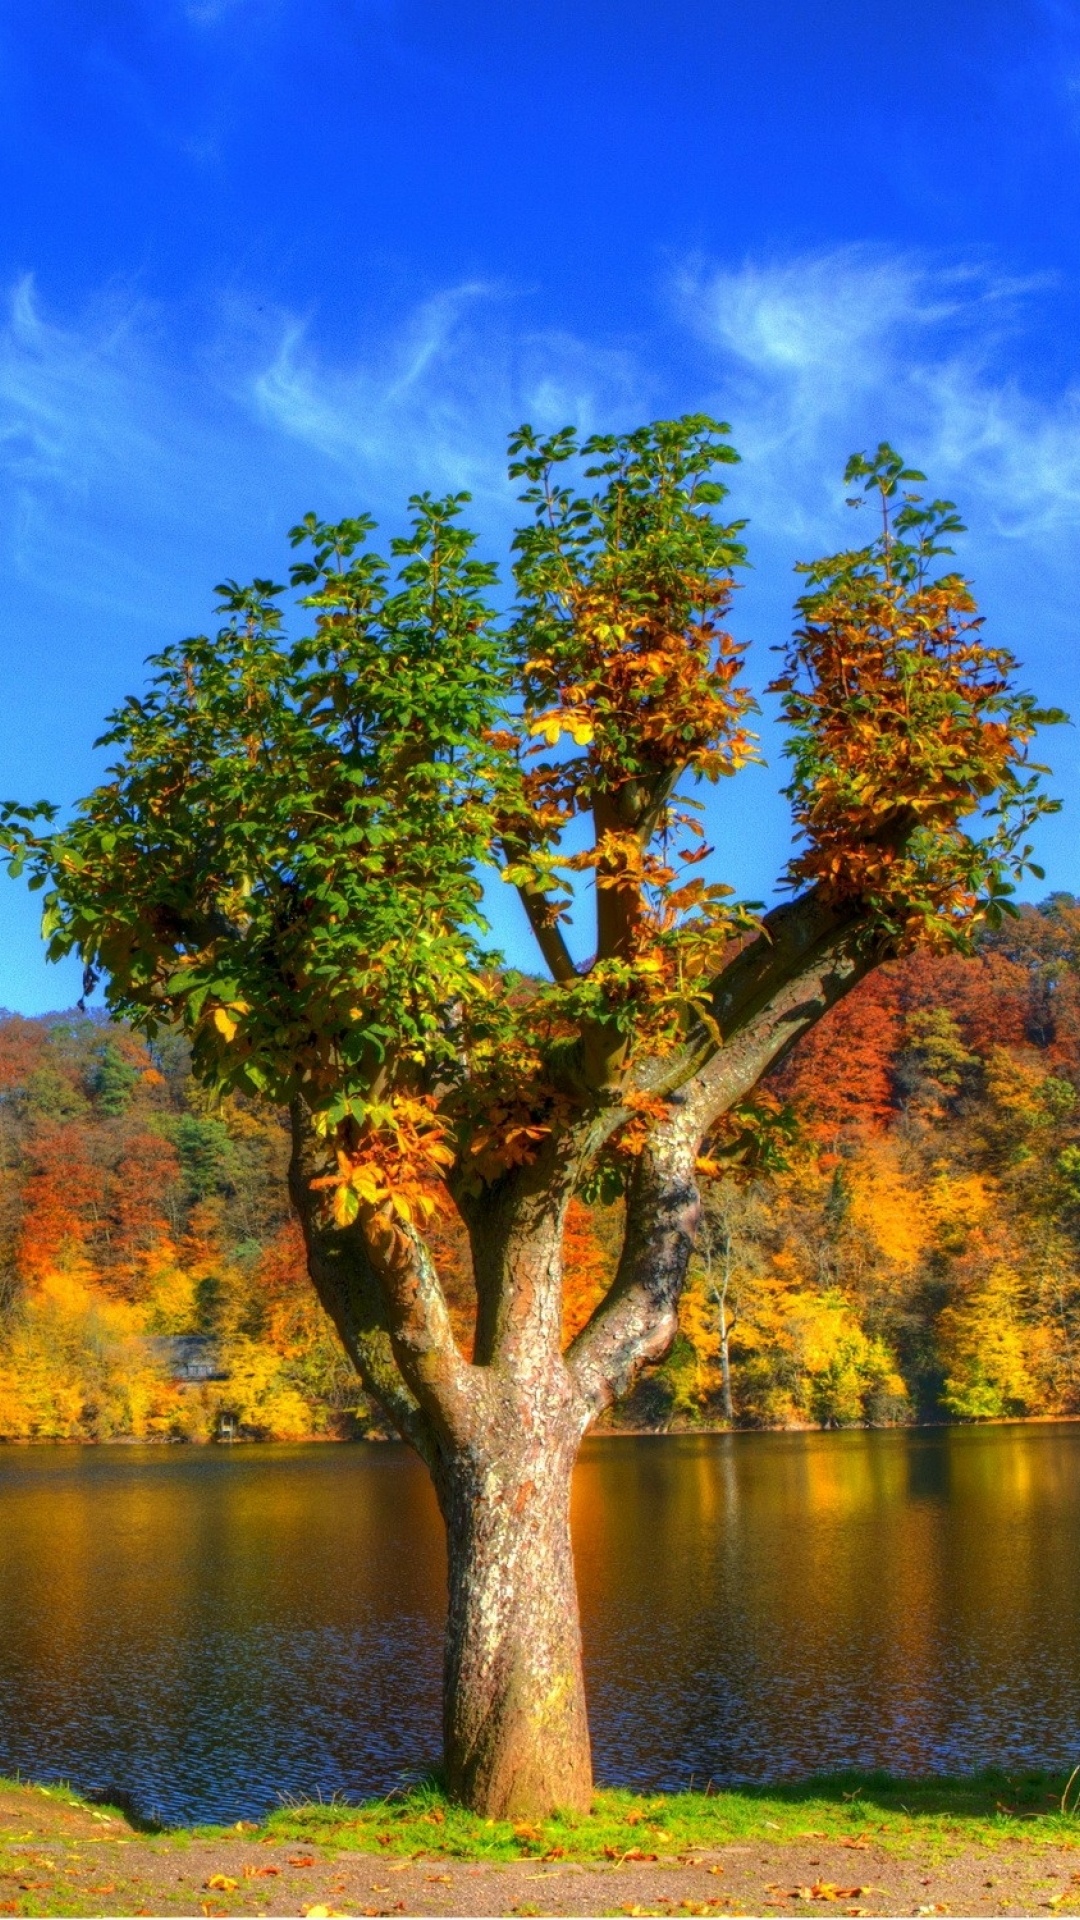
<point x="945" y="1816"/>
<point x="984" y="1810"/>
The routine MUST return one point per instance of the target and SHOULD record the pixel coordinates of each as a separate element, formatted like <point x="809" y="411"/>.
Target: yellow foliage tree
<point x="990" y="1354"/>
<point x="78" y="1366"/>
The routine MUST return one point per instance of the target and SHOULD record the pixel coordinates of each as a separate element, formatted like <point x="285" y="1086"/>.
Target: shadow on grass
<point x="119" y="1800"/>
<point x="978" y="1796"/>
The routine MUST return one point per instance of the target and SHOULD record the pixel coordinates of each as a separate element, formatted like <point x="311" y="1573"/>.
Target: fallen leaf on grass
<point x="436" y="1880"/>
<point x="554" y="1853"/>
<point x="301" y="1859"/>
<point x="935" y="1908"/>
<point x="220" y="1883"/>
<point x="863" y="1845"/>
<point x="259" y="1873"/>
<point x="320" y="1912"/>
<point x="109" y="1887"/>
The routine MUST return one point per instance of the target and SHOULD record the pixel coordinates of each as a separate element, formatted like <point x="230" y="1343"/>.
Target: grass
<point x="947" y="1815"/>
<point x="982" y="1811"/>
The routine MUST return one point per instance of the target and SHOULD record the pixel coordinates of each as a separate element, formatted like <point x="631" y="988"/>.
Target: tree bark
<point x="515" y="1723"/>
<point x="638" y="1319"/>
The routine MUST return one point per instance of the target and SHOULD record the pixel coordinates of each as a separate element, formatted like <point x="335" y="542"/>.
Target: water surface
<point x="213" y="1629"/>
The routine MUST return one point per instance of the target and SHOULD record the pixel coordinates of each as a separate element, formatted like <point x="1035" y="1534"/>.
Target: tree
<point x="286" y="861"/>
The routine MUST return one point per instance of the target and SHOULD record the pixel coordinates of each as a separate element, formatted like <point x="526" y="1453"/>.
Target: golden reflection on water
<point x="903" y="1599"/>
<point x="218" y="1627"/>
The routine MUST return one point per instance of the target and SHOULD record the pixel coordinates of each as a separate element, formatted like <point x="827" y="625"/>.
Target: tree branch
<point x="548" y="936"/>
<point x="388" y="1308"/>
<point x="516" y="1233"/>
<point x="776" y="1007"/>
<point x="636" y="1321"/>
<point x="618" y="909"/>
<point x="418" y="1319"/>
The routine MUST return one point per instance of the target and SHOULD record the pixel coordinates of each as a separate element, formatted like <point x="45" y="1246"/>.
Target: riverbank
<point x="617" y="1430"/>
<point x="853" y="1844"/>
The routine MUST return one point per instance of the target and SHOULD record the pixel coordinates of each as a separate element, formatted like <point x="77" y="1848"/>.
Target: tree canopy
<point x="287" y="854"/>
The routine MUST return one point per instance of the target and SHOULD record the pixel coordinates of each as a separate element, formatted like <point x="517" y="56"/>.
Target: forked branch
<point x="637" y="1320"/>
<point x="388" y="1307"/>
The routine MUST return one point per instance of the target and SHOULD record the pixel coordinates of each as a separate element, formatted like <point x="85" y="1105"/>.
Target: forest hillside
<point x="901" y="1242"/>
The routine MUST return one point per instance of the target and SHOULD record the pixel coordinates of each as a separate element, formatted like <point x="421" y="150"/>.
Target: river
<point x="214" y="1629"/>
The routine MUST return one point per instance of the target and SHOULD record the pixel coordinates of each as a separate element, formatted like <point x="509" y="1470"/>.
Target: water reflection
<point x="773" y="1604"/>
<point x="213" y="1628"/>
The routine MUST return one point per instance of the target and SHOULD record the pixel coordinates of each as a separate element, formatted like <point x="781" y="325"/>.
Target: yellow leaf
<point x="346" y="1205"/>
<point x="222" y="1883"/>
<point x="225" y="1023"/>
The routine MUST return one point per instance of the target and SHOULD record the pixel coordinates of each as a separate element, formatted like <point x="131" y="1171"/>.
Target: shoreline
<point x="690" y="1430"/>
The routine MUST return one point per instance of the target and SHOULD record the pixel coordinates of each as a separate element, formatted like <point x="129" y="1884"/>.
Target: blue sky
<point x="258" y="256"/>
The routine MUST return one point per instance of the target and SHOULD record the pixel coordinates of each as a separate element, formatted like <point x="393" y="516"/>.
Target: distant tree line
<point x="894" y="1237"/>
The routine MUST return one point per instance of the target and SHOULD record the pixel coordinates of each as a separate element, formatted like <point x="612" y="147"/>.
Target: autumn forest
<point x="892" y="1234"/>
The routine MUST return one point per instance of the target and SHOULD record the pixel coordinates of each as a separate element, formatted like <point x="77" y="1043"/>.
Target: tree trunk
<point x="516" y="1730"/>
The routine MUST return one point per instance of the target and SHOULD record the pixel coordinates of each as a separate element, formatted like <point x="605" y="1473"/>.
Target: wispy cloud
<point x="216" y="13"/>
<point x="107" y="423"/>
<point x="433" y="402"/>
<point x="63" y="395"/>
<point x="140" y="458"/>
<point x="821" y="353"/>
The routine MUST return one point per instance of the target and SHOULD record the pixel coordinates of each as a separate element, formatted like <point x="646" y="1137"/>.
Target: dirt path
<point x="56" y="1858"/>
